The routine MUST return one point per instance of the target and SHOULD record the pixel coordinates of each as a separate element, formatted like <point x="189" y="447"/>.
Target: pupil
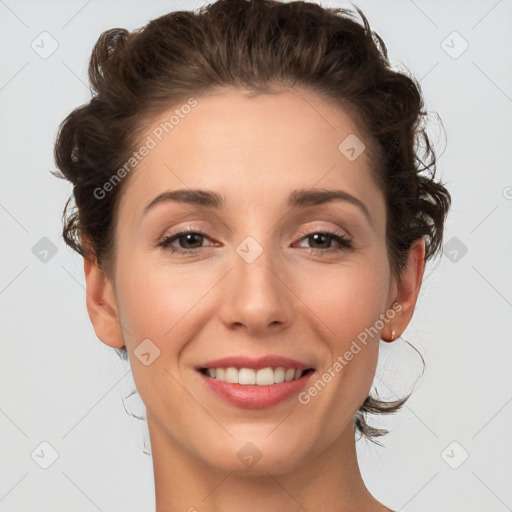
<point x="191" y="235"/>
<point x="316" y="235"/>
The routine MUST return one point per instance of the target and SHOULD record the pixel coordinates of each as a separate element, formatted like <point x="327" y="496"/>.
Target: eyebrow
<point x="297" y="198"/>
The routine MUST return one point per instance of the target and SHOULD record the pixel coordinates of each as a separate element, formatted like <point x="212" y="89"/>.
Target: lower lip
<point x="256" y="397"/>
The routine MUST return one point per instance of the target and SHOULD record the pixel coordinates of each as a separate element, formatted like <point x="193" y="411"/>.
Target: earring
<point x="392" y="335"/>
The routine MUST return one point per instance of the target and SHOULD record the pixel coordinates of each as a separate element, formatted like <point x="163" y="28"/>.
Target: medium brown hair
<point x="255" y="45"/>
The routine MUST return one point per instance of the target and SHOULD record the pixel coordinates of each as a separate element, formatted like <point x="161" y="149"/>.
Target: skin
<point x="289" y="301"/>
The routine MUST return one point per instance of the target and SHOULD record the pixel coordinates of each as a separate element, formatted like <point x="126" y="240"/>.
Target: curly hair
<point x="255" y="45"/>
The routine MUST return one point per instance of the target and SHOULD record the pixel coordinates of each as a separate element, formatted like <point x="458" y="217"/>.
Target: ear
<point x="101" y="304"/>
<point x="408" y="287"/>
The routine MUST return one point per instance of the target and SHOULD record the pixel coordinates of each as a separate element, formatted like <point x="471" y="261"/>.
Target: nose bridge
<point x="256" y="296"/>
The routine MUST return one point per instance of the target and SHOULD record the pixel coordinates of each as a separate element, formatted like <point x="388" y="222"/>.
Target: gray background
<point x="62" y="386"/>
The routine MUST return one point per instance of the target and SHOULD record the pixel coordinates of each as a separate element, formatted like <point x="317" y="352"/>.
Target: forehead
<point x="252" y="147"/>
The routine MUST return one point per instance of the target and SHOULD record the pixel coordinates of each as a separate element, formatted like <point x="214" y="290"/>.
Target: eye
<point x="193" y="240"/>
<point x="324" y="239"/>
<point x="193" y="237"/>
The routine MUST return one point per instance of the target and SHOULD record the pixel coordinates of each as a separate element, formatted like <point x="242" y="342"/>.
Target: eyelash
<point x="344" y="242"/>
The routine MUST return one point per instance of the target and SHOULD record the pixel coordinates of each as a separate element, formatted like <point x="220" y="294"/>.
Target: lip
<point x="255" y="363"/>
<point x="252" y="396"/>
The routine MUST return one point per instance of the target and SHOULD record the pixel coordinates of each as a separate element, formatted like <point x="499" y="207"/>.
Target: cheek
<point x="155" y="298"/>
<point x="156" y="306"/>
<point x="347" y="298"/>
<point x="348" y="302"/>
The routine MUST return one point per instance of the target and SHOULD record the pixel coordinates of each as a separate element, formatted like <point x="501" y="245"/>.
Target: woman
<point x="253" y="220"/>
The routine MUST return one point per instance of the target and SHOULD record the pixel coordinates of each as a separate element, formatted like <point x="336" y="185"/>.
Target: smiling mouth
<point x="248" y="376"/>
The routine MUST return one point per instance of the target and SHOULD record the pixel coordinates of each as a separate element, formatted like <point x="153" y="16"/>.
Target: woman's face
<point x="266" y="278"/>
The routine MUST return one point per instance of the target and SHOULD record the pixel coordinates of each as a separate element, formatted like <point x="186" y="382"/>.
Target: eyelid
<point x="195" y="228"/>
<point x="323" y="229"/>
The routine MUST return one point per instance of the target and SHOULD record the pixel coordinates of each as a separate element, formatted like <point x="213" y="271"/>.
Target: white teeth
<point x="265" y="377"/>
<point x="289" y="375"/>
<point x="231" y="375"/>
<point x="248" y="376"/>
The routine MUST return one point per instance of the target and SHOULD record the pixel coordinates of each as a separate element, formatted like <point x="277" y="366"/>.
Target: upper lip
<point x="255" y="363"/>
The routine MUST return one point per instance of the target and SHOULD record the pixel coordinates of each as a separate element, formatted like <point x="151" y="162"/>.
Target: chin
<point x="256" y="455"/>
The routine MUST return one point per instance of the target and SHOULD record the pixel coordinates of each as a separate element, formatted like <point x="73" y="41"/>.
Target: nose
<point x="256" y="295"/>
